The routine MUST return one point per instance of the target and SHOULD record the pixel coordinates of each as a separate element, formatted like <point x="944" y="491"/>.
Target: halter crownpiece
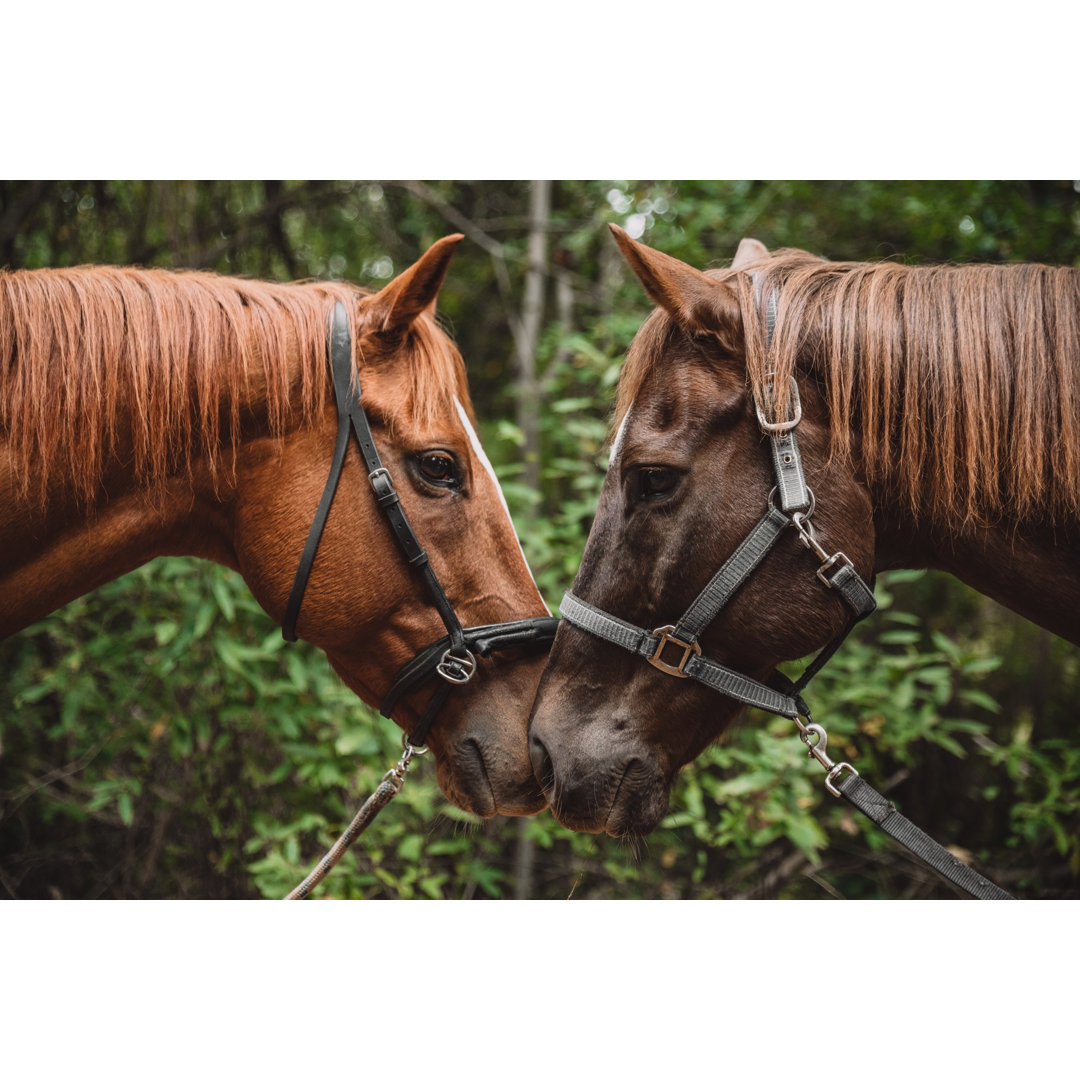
<point x="452" y="657"/>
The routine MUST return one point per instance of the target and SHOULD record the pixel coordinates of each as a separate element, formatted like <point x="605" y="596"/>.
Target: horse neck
<point x="1029" y="569"/>
<point x="59" y="548"/>
<point x="54" y="555"/>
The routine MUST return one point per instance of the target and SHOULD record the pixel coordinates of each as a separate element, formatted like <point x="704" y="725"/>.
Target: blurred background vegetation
<point x="158" y="740"/>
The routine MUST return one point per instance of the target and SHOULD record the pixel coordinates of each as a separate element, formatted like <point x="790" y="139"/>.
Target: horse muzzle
<point x="595" y="784"/>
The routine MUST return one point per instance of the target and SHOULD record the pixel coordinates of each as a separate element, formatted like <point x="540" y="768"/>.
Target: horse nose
<point x="598" y="785"/>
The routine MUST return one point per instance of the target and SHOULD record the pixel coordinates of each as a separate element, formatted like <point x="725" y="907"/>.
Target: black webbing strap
<point x="736" y="569"/>
<point x="651" y="646"/>
<point x="882" y="812"/>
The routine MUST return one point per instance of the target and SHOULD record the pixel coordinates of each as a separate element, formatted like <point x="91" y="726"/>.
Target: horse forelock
<point x="159" y="367"/>
<point x="958" y="387"/>
<point x="436" y="382"/>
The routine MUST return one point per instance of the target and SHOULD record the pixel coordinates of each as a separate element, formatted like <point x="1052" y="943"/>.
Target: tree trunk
<point x="528" y="418"/>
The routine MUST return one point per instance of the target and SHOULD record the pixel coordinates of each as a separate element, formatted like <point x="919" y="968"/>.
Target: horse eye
<point x="440" y="468"/>
<point x="657" y="482"/>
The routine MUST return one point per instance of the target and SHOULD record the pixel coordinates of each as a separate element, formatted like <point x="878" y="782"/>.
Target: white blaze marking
<point x="478" y="450"/>
<point x="616" y="444"/>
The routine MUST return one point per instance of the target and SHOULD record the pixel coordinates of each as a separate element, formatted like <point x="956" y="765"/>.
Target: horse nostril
<point x="542" y="768"/>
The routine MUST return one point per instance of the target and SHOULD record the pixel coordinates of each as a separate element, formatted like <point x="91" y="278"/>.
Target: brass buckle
<point x="690" y="648"/>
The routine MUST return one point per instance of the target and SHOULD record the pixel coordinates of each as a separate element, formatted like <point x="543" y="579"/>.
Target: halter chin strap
<point x="450" y="657"/>
<point x="675" y="649"/>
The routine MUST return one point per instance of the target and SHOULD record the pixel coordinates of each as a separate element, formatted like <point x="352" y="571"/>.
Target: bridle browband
<point x="452" y="657"/>
<point x="836" y="573"/>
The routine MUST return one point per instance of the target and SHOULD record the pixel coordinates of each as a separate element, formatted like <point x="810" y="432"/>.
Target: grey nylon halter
<point x="796" y="504"/>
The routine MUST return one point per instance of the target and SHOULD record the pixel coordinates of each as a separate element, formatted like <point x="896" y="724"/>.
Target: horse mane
<point x="959" y="386"/>
<point x="163" y="367"/>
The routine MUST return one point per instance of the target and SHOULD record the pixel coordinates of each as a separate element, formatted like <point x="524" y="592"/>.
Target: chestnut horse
<point x="940" y="428"/>
<point x="148" y="412"/>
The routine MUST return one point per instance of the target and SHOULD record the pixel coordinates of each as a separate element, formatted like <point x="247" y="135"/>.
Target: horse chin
<point x="478" y="739"/>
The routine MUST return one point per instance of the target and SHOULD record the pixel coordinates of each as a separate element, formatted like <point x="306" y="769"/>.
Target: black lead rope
<point x="882" y="812"/>
<point x="452" y="657"/>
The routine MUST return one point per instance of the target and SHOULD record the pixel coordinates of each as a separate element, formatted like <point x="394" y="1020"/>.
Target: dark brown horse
<point x="147" y="413"/>
<point x="940" y="428"/>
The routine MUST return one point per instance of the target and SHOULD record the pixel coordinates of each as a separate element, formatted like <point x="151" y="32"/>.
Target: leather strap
<point x="351" y="415"/>
<point x="479" y="640"/>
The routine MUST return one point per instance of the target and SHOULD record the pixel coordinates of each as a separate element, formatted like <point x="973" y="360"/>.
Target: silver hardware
<point x="457" y="669"/>
<point x="690" y="648"/>
<point x="834" y="772"/>
<point x="784" y="425"/>
<point x="805" y="530"/>
<point x="828" y="564"/>
<point x="380" y="472"/>
<point x="802" y="515"/>
<point x="395" y="777"/>
<point x="817" y="750"/>
<point x="410" y="751"/>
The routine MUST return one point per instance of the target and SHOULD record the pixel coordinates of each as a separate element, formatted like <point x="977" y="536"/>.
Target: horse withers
<point x="147" y="412"/>
<point x="937" y="418"/>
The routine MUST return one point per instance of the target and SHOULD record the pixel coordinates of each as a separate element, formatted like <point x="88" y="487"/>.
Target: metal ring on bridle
<point x="803" y="515"/>
<point x="411" y="749"/>
<point x="457" y="669"/>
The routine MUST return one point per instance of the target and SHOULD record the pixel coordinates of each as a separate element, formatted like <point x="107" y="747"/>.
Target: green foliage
<point x="158" y="739"/>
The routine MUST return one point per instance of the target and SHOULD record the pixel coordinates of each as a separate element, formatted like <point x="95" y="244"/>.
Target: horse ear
<point x="750" y="251"/>
<point x="697" y="302"/>
<point x="396" y="306"/>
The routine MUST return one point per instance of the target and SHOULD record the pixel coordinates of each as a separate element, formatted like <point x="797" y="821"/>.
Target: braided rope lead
<point x="390" y="785"/>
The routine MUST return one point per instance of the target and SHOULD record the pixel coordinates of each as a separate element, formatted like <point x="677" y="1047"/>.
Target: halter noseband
<point x="451" y="657"/>
<point x="796" y="506"/>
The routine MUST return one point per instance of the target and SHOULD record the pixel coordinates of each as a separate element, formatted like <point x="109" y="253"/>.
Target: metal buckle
<point x="829" y="563"/>
<point x="784" y="425"/>
<point x="380" y="474"/>
<point x="834" y="772"/>
<point x="456" y="669"/>
<point x="689" y="648"/>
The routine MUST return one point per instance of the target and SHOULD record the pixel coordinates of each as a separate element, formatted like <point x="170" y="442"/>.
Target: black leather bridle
<point x="452" y="657"/>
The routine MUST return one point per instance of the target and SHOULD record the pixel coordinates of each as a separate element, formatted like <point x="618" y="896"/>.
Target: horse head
<point x="364" y="605"/>
<point x="689" y="476"/>
<point x="154" y="413"/>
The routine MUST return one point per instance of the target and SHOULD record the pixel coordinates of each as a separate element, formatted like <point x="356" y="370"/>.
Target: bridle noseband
<point x="452" y="657"/>
<point x="836" y="572"/>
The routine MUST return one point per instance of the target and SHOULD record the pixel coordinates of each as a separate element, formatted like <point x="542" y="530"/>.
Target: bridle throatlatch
<point x="676" y="649"/>
<point x="452" y="657"/>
